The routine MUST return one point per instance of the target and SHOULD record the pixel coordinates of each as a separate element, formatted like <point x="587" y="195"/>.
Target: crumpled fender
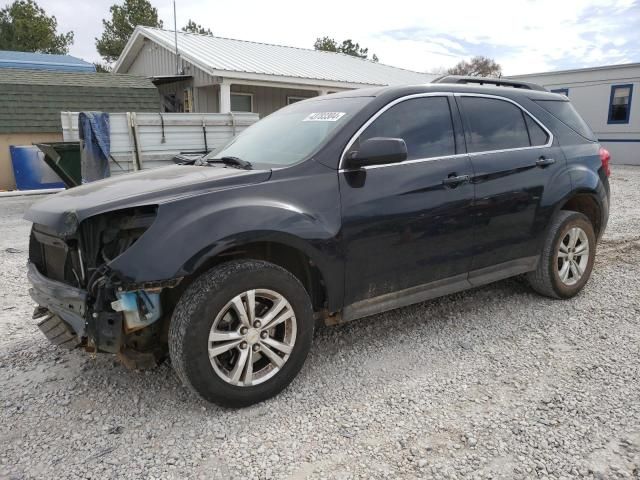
<point x="189" y="231"/>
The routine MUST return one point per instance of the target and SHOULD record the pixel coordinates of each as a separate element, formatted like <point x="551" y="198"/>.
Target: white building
<point x="214" y="74"/>
<point x="604" y="96"/>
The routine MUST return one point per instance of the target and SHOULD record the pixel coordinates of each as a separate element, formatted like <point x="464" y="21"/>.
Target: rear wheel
<point x="241" y="332"/>
<point x="567" y="256"/>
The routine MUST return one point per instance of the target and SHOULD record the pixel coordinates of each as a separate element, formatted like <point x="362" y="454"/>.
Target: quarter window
<point x="494" y="124"/>
<point x="565" y="112"/>
<point x="561" y="91"/>
<point x="423" y="123"/>
<point x="620" y="103"/>
<point x="537" y="135"/>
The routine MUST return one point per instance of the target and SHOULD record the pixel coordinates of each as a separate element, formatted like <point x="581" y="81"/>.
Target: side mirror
<point x="378" y="151"/>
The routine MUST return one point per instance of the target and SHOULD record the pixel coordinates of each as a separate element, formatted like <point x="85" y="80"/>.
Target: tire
<point x="547" y="278"/>
<point x="207" y="306"/>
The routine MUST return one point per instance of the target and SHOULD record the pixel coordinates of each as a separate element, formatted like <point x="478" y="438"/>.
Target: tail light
<point x="605" y="158"/>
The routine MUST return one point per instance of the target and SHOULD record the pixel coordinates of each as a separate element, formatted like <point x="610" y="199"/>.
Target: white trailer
<point x="608" y="98"/>
<point x="151" y="140"/>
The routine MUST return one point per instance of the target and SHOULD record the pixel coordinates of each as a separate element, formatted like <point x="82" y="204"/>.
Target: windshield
<point x="292" y="134"/>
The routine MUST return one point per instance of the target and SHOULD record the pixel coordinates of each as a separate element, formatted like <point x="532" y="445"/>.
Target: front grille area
<point x="36" y="255"/>
<point x="50" y="255"/>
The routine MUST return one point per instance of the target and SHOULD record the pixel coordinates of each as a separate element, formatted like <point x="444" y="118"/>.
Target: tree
<point x="124" y="19"/>
<point x="193" y="27"/>
<point x="477" y="67"/>
<point x="26" y="27"/>
<point x="326" y="44"/>
<point x="102" y="67"/>
<point x="347" y="47"/>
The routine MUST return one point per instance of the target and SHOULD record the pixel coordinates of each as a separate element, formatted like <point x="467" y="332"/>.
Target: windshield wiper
<point x="232" y="162"/>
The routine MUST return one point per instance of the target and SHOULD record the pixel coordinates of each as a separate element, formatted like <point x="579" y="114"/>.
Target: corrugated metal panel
<point x="153" y="60"/>
<point x="217" y="54"/>
<point x="44" y="61"/>
<point x="183" y="132"/>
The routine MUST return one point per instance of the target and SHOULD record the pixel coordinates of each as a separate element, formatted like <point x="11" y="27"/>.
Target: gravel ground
<point x="495" y="382"/>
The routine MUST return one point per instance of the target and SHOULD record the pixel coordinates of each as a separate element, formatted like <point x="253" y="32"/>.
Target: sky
<point x="523" y="36"/>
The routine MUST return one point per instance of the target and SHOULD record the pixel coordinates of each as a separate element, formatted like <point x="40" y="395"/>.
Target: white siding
<point x="207" y="99"/>
<point x="589" y="92"/>
<point x="154" y="60"/>
<point x="267" y="100"/>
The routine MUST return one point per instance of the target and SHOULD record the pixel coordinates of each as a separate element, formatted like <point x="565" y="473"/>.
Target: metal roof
<point x="44" y="61"/>
<point x="578" y="70"/>
<point x="217" y="55"/>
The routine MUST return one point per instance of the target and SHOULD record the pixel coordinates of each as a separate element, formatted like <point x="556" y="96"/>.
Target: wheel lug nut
<point x="244" y="330"/>
<point x="264" y="335"/>
<point x="256" y="348"/>
<point x="257" y="324"/>
<point x="243" y="345"/>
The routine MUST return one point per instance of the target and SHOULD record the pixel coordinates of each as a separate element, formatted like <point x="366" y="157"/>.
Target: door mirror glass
<point x="377" y="151"/>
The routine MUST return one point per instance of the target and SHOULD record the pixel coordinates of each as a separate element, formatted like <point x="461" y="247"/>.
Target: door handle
<point x="454" y="181"/>
<point x="545" y="162"/>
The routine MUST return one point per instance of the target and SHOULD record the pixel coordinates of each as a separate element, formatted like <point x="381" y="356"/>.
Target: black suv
<point x="331" y="209"/>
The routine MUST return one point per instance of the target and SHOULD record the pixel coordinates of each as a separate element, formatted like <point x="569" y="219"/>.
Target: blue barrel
<point x="31" y="171"/>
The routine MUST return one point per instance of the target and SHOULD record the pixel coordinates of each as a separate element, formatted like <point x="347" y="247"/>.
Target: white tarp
<point x="160" y="136"/>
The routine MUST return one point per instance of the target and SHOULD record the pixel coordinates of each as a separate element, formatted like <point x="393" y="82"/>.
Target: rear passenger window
<point x="537" y="135"/>
<point x="423" y="123"/>
<point x="494" y="124"/>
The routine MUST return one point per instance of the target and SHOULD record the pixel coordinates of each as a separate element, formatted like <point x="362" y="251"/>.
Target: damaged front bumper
<point x="64" y="301"/>
<point x="129" y="325"/>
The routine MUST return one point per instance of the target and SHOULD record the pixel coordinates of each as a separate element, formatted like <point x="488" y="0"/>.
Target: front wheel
<point x="567" y="256"/>
<point x="241" y="332"/>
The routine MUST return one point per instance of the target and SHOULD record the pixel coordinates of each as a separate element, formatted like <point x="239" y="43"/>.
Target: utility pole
<point x="175" y="32"/>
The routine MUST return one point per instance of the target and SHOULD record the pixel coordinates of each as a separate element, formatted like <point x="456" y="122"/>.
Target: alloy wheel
<point x="252" y="337"/>
<point x="573" y="256"/>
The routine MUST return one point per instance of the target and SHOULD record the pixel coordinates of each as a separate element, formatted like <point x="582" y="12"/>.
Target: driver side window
<point x="423" y="123"/>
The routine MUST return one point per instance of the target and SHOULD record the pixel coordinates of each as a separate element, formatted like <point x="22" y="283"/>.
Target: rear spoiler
<point x="496" y="82"/>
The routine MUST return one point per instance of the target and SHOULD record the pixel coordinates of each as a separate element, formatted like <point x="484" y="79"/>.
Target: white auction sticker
<point x="324" y="117"/>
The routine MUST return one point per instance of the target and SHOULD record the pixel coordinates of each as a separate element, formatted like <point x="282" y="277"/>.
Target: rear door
<point x="406" y="224"/>
<point x="514" y="162"/>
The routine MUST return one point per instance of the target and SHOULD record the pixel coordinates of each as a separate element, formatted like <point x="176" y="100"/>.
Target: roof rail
<point x="498" y="82"/>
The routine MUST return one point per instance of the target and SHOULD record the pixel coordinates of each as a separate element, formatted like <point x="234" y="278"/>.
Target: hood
<point x="64" y="211"/>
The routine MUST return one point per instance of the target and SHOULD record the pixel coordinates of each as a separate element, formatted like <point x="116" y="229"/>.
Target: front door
<point x="514" y="162"/>
<point x="407" y="224"/>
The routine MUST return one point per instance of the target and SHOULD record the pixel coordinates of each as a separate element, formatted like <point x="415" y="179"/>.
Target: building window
<point x="241" y="102"/>
<point x="561" y="91"/>
<point x="292" y="99"/>
<point x="620" y="103"/>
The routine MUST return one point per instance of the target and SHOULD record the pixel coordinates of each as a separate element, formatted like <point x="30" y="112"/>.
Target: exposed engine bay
<point x="83" y="301"/>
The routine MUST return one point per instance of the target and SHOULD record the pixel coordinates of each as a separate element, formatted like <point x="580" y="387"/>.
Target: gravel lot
<point x="496" y="382"/>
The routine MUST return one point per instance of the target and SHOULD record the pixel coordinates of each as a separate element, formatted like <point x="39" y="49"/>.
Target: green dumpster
<point x="64" y="159"/>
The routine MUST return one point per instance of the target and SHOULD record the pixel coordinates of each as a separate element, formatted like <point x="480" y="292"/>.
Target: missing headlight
<point x="106" y="236"/>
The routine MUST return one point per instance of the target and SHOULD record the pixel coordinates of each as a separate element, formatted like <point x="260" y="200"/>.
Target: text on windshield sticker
<point x="324" y="117"/>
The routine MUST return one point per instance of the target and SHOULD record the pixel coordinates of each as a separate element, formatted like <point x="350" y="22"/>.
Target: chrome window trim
<point x="457" y="155"/>
<point x="380" y="112"/>
<point x="535" y="119"/>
